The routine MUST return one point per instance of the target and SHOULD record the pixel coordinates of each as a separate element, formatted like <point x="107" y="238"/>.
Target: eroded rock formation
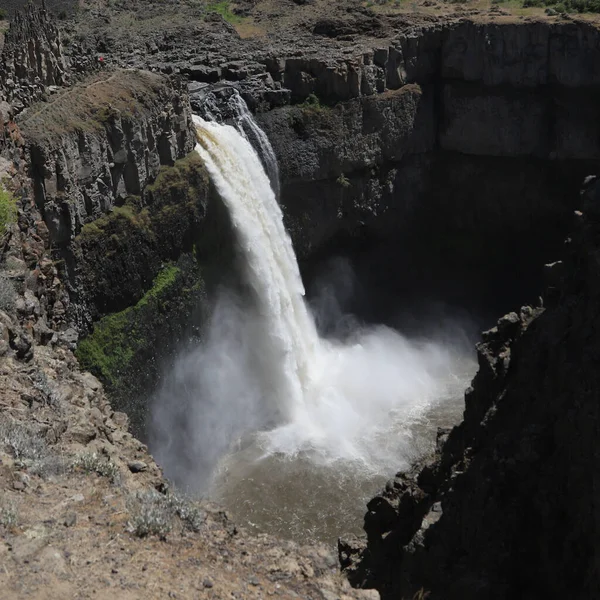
<point x="124" y="207"/>
<point x="85" y="158"/>
<point x="32" y="60"/>
<point x="102" y="141"/>
<point x="506" y="509"/>
<point x="481" y="138"/>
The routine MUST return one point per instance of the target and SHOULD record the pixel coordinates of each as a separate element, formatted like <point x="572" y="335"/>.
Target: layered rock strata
<point x="32" y="61"/>
<point x="506" y="509"/>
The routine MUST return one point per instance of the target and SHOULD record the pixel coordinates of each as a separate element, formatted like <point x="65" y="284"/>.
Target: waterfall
<point x="249" y="128"/>
<point x="262" y="377"/>
<point x="287" y="337"/>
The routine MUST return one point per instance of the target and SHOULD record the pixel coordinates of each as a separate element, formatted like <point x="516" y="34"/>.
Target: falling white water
<point x="289" y="337"/>
<point x="264" y="385"/>
<point x="249" y="128"/>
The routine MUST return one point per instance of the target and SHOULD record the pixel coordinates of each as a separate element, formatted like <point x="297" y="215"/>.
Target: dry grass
<point x="21" y="441"/>
<point x="9" y="515"/>
<point x="248" y="29"/>
<point x="90" y="462"/>
<point x="28" y="446"/>
<point x="8" y="293"/>
<point x="511" y="9"/>
<point x="88" y="105"/>
<point x="152" y="513"/>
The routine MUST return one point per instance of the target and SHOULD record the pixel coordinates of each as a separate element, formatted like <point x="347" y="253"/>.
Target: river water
<point x="289" y="430"/>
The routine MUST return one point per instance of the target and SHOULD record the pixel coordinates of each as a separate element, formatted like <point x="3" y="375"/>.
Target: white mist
<point x="264" y="389"/>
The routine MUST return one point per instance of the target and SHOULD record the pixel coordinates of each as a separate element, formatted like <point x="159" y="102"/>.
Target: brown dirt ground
<point x="65" y="531"/>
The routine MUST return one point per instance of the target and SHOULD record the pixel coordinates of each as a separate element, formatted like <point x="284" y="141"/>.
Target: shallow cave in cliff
<point x="472" y="249"/>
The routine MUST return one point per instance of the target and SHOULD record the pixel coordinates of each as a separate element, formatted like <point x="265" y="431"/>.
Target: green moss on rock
<point x="180" y="180"/>
<point x="116" y="338"/>
<point x="126" y="349"/>
<point x="121" y="218"/>
<point x="119" y="254"/>
<point x="149" y="309"/>
<point x="164" y="280"/>
<point x="8" y="209"/>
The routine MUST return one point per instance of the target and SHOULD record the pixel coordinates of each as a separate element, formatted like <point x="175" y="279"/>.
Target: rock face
<point x="112" y="193"/>
<point x="32" y="60"/>
<point x="102" y="141"/>
<point x="125" y="202"/>
<point x="450" y="145"/>
<point x="89" y="152"/>
<point x="475" y="134"/>
<point x="490" y="137"/>
<point x="507" y="507"/>
<point x="339" y="166"/>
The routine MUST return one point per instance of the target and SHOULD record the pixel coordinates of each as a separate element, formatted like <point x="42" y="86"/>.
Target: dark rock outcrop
<point x="339" y="164"/>
<point x="507" y="508"/>
<point x="120" y="202"/>
<point x="490" y="137"/>
<point x="475" y="133"/>
<point x="32" y="61"/>
<point x="93" y="147"/>
<point x="101" y="141"/>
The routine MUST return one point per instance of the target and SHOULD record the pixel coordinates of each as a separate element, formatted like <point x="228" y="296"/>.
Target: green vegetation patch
<point x="120" y="219"/>
<point x="343" y="181"/>
<point x="312" y="103"/>
<point x="8" y="210"/>
<point x="126" y="215"/>
<point x="164" y="280"/>
<point x="108" y="351"/>
<point x="172" y="207"/>
<point x="184" y="179"/>
<point x="223" y="7"/>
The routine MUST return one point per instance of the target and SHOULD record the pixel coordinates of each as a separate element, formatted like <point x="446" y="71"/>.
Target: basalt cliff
<point x="506" y="507"/>
<point x="444" y="153"/>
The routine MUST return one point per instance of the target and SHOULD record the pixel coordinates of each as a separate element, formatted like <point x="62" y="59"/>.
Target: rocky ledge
<point x="506" y="509"/>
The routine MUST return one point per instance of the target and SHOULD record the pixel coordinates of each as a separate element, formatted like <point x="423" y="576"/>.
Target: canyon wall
<point x="83" y="151"/>
<point x="444" y="157"/>
<point x="91" y="148"/>
<point x="506" y="509"/>
<point x="125" y="203"/>
<point x="455" y="146"/>
<point x="478" y="134"/>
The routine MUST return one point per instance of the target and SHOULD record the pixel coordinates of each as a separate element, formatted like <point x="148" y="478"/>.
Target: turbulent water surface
<point x="291" y="431"/>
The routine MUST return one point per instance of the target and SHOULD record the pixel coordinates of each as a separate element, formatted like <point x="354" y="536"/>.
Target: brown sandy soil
<point x="66" y="524"/>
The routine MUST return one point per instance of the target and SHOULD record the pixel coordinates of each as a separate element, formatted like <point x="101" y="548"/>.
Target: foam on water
<point x="263" y="378"/>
